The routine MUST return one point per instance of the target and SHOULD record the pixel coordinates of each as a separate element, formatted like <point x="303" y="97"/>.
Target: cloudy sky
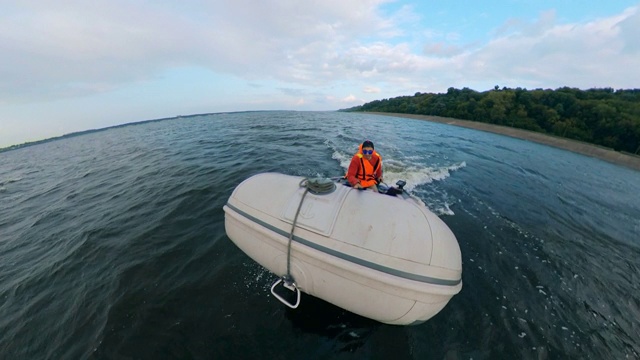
<point x="67" y="66"/>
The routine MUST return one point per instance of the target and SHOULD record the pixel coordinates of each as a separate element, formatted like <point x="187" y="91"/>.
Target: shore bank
<point x="612" y="156"/>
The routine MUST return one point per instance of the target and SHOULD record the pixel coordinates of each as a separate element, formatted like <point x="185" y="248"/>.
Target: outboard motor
<point x="393" y="191"/>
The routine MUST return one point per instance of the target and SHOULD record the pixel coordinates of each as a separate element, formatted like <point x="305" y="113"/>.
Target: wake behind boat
<point x="387" y="258"/>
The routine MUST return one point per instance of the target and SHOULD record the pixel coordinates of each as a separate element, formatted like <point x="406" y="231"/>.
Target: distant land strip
<point x="596" y="151"/>
<point x="85" y="132"/>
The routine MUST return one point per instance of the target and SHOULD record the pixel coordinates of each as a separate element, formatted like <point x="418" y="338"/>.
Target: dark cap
<point x="367" y="143"/>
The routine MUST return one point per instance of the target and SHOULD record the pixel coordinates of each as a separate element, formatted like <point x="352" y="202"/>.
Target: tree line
<point x="602" y="116"/>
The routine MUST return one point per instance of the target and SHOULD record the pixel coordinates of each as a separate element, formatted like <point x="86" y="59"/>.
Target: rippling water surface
<point x="112" y="244"/>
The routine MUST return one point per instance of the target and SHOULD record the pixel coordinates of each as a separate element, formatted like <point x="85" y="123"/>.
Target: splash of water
<point x="416" y="171"/>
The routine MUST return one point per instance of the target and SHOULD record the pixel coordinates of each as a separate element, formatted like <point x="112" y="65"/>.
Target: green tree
<point x="601" y="116"/>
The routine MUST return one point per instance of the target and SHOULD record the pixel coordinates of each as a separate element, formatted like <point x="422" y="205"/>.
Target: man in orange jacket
<point x="365" y="170"/>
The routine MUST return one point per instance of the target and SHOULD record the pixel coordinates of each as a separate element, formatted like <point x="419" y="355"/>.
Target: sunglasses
<point x="367" y="152"/>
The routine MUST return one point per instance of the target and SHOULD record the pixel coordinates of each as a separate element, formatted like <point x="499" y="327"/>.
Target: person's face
<point x="367" y="152"/>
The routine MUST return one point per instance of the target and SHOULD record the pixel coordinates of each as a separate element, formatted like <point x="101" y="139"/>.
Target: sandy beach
<point x="615" y="157"/>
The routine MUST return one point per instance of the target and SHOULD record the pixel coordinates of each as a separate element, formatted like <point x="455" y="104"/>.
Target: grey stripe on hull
<point x="350" y="258"/>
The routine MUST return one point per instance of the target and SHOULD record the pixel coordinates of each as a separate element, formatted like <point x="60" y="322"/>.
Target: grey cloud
<point x="630" y="33"/>
<point x="580" y="55"/>
<point x="70" y="47"/>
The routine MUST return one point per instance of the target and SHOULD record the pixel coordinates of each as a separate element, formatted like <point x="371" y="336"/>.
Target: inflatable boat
<point x="383" y="256"/>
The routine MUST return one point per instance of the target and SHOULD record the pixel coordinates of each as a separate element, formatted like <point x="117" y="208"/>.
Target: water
<point x="112" y="244"/>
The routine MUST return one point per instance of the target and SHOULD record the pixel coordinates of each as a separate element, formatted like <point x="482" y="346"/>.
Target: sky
<point x="68" y="66"/>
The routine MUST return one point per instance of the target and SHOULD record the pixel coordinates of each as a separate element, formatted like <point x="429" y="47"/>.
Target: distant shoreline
<point x="612" y="156"/>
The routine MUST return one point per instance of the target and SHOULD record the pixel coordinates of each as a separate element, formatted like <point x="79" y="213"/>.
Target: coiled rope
<point x="316" y="186"/>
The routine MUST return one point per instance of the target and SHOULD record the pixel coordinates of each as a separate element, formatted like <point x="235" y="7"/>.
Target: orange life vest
<point x="366" y="172"/>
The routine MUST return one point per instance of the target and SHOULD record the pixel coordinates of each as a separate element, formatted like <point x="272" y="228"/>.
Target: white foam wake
<point x="416" y="171"/>
<point x="417" y="174"/>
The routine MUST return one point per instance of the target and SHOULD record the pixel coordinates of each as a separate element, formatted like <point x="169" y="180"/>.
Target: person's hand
<point x="357" y="186"/>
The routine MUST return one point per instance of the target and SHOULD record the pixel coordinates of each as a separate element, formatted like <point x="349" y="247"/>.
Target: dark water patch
<point x="112" y="245"/>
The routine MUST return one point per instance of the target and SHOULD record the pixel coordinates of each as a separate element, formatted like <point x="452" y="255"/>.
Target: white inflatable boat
<point x="383" y="257"/>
